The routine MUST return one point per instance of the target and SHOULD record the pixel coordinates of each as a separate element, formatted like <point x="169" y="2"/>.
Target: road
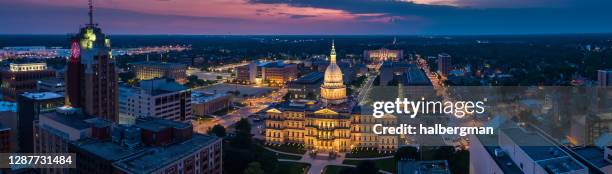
<point x="253" y="106"/>
<point x="363" y="91"/>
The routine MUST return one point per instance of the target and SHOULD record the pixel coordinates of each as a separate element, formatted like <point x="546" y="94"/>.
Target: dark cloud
<point x="491" y="17"/>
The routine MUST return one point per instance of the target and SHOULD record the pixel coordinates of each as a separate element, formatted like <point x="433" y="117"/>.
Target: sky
<point x="310" y="17"/>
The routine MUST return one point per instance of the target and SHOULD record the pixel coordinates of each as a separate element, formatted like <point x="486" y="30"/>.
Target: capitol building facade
<point x="334" y="123"/>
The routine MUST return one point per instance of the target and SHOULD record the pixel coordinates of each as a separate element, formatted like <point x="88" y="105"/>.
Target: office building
<point x="91" y="75"/>
<point x="51" y="85"/>
<point x="246" y="74"/>
<point x="8" y="120"/>
<point x="150" y="70"/>
<point x="604" y="78"/>
<point x="383" y="54"/>
<point x="30" y="107"/>
<point x="20" y="78"/>
<point x="444" y="64"/>
<point x="159" y="97"/>
<point x="55" y="131"/>
<point x="306" y="87"/>
<point x="203" y="103"/>
<point x="151" y="145"/>
<point x="389" y="70"/>
<point x="585" y="129"/>
<point x="5" y="139"/>
<point x="278" y="73"/>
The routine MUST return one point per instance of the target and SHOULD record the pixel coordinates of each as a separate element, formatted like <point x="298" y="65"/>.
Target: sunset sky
<point x="236" y="17"/>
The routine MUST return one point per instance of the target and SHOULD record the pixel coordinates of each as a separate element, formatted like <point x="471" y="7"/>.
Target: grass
<point x="292" y="167"/>
<point x="388" y="164"/>
<point x="295" y="149"/>
<point x="279" y="155"/>
<point x="366" y="154"/>
<point x="290" y="157"/>
<point x="332" y="169"/>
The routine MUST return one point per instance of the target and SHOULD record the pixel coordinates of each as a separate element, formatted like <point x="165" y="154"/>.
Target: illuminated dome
<point x="333" y="90"/>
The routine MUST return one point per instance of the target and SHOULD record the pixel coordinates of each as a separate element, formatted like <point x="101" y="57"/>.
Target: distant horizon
<point x="385" y="35"/>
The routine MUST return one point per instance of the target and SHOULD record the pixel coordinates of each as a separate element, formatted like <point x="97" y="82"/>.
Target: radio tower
<point x="91" y="24"/>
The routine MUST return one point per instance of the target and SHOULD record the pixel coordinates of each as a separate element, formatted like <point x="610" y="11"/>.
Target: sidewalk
<point x="318" y="165"/>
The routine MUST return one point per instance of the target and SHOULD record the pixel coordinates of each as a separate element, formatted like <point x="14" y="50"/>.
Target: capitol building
<point x="333" y="123"/>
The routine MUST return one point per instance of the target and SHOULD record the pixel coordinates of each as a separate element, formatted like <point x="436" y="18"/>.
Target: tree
<point x="254" y="168"/>
<point x="243" y="134"/>
<point x="460" y="162"/>
<point x="243" y="125"/>
<point x="407" y="152"/>
<point x="367" y="167"/>
<point x="218" y="131"/>
<point x="444" y="152"/>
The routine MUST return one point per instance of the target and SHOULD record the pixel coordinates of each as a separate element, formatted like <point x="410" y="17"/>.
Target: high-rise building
<point x="333" y="90"/>
<point x="29" y="107"/>
<point x="91" y="78"/>
<point x="20" y="78"/>
<point x="444" y="64"/>
<point x="604" y="78"/>
<point x="150" y="70"/>
<point x="160" y="97"/>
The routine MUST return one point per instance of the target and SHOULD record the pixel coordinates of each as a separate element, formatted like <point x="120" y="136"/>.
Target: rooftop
<point x="160" y="64"/>
<point x="203" y="97"/>
<point x="154" y="158"/>
<point x="548" y="155"/>
<point x="157" y="124"/>
<point x="504" y="162"/>
<point x="74" y="120"/>
<point x="593" y="155"/>
<point x="312" y="77"/>
<point x="415" y="77"/>
<point x="8" y="106"/>
<point x="107" y="149"/>
<point x="42" y="95"/>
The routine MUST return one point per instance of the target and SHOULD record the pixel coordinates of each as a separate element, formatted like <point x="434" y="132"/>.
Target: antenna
<point x="91" y="24"/>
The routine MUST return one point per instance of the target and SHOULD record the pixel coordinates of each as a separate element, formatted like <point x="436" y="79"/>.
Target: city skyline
<point x="281" y="17"/>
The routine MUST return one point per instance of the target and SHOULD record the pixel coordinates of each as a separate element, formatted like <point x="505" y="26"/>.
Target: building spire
<point x="333" y="52"/>
<point x="91" y="24"/>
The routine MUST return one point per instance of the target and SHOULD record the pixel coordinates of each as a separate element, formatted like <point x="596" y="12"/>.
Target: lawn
<point x="290" y="157"/>
<point x="331" y="169"/>
<point x="388" y="164"/>
<point x="292" y="167"/>
<point x="366" y="154"/>
<point x="295" y="149"/>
